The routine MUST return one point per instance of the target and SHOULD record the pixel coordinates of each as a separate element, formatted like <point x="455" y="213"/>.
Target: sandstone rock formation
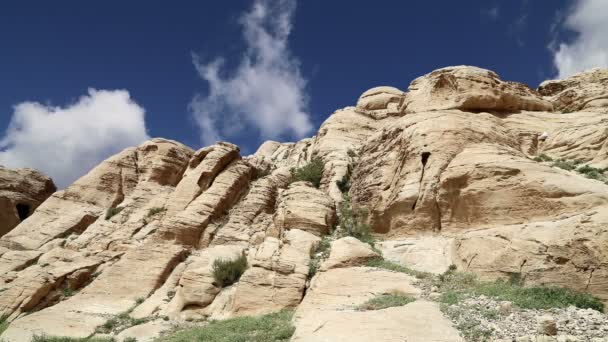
<point x="446" y="171"/>
<point x="21" y="192"/>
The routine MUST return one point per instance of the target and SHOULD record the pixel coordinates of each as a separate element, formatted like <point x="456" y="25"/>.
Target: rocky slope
<point x="452" y="171"/>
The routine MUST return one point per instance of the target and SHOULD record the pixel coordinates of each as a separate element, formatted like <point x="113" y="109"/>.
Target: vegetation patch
<point x="155" y="210"/>
<point x="456" y="286"/>
<point x="564" y="164"/>
<point x="320" y="254"/>
<point x="386" y="301"/>
<point x="353" y="221"/>
<point x="228" y="272"/>
<point x="391" y="266"/>
<point x="311" y="172"/>
<point x="273" y="327"/>
<point x="543" y="158"/>
<point x="44" y="338"/>
<point x="121" y="322"/>
<point x="113" y="211"/>
<point x="3" y="323"/>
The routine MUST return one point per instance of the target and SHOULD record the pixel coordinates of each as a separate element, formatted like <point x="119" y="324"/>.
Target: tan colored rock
<point x="432" y="254"/>
<point x="146" y="332"/>
<point x="348" y="251"/>
<point x="546" y="325"/>
<point x="470" y="89"/>
<point x="114" y="291"/>
<point x="585" y="91"/>
<point x="329" y="310"/>
<point x="338" y="141"/>
<point x="419" y="321"/>
<point x="277" y="277"/>
<point x="565" y="251"/>
<point x="197" y="288"/>
<point x="21" y="192"/>
<point x="304" y="207"/>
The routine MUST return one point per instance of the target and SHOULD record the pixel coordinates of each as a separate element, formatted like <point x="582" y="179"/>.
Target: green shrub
<point x="354" y="221"/>
<point x="457" y="285"/>
<point x="311" y="172"/>
<point x="391" y="266"/>
<point x="564" y="164"/>
<point x="591" y="172"/>
<point x="68" y="292"/>
<point x="543" y="158"/>
<point x="322" y="252"/>
<point x="538" y="297"/>
<point x="112" y="211"/>
<point x="228" y="272"/>
<point x="44" y="338"/>
<point x="386" y="301"/>
<point x="155" y="210"/>
<point x="3" y="323"/>
<point x="276" y="327"/>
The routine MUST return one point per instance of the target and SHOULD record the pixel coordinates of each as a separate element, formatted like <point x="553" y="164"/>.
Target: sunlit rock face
<point x="445" y="171"/>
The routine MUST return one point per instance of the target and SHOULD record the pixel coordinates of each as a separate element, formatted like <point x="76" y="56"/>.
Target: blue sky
<point x="79" y="81"/>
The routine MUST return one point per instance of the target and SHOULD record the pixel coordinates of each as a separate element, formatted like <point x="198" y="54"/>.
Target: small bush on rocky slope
<point x="228" y="272"/>
<point x="273" y="327"/>
<point x="39" y="338"/>
<point x="353" y="221"/>
<point x="320" y="254"/>
<point x="311" y="172"/>
<point x="386" y="301"/>
<point x="112" y="211"/>
<point x="3" y="323"/>
<point x="456" y="286"/>
<point x="391" y="266"/>
<point x="543" y="158"/>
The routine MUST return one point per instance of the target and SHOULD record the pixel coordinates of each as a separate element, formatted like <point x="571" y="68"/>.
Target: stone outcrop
<point x="446" y="171"/>
<point x="470" y="89"/>
<point x="21" y="192"/>
<point x="584" y="92"/>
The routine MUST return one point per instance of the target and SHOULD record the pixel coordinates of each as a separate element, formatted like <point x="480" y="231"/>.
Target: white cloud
<point x="266" y="92"/>
<point x="65" y="143"/>
<point x="493" y="12"/>
<point x="588" y="18"/>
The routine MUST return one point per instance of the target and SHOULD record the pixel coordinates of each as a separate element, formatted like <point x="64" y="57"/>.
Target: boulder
<point x="304" y="207"/>
<point x="583" y="92"/>
<point x="21" y="192"/>
<point x="348" y="251"/>
<point x="470" y="89"/>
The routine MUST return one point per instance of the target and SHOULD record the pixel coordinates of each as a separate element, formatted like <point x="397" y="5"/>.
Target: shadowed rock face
<point x="21" y="192"/>
<point x="444" y="169"/>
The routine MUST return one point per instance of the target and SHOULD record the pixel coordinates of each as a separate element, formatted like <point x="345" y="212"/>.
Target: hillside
<point x="461" y="174"/>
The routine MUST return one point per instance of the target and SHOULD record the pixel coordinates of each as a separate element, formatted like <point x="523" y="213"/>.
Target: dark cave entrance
<point x="425" y="157"/>
<point x="23" y="210"/>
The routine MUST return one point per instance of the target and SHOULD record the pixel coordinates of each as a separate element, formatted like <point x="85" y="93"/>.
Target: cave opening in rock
<point x="425" y="157"/>
<point x="23" y="210"/>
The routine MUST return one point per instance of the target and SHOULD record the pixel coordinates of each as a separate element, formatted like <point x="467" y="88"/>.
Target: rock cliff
<point x="461" y="169"/>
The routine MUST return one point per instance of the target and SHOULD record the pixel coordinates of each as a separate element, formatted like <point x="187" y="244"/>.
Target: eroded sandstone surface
<point x="446" y="171"/>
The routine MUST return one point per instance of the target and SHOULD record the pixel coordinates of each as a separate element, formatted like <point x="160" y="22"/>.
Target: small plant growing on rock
<point x="68" y="292"/>
<point x="321" y="253"/>
<point x="311" y="172"/>
<point x="155" y="210"/>
<point x="228" y="272"/>
<point x="591" y="172"/>
<point x="354" y="221"/>
<point x="543" y="158"/>
<point x="3" y="323"/>
<point x="386" y="301"/>
<point x="113" y="211"/>
<point x="564" y="164"/>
